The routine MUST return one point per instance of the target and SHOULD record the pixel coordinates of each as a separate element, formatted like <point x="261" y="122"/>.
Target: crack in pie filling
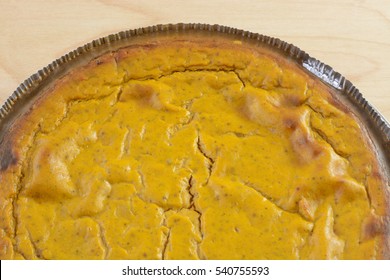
<point x="191" y="147"/>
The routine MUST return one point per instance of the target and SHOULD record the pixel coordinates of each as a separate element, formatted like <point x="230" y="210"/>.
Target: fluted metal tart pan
<point x="378" y="129"/>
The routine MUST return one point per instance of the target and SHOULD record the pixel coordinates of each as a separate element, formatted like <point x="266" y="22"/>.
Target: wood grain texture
<point x="353" y="36"/>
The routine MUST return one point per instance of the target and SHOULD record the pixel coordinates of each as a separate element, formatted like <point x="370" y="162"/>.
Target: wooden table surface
<point x="353" y="36"/>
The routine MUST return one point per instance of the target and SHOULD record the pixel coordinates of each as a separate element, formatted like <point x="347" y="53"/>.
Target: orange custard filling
<point x="190" y="149"/>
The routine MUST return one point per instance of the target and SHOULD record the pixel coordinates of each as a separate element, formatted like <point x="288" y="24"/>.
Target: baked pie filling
<point x="191" y="148"/>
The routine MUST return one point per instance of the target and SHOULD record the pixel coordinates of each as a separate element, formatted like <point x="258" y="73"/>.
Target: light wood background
<point x="353" y="36"/>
